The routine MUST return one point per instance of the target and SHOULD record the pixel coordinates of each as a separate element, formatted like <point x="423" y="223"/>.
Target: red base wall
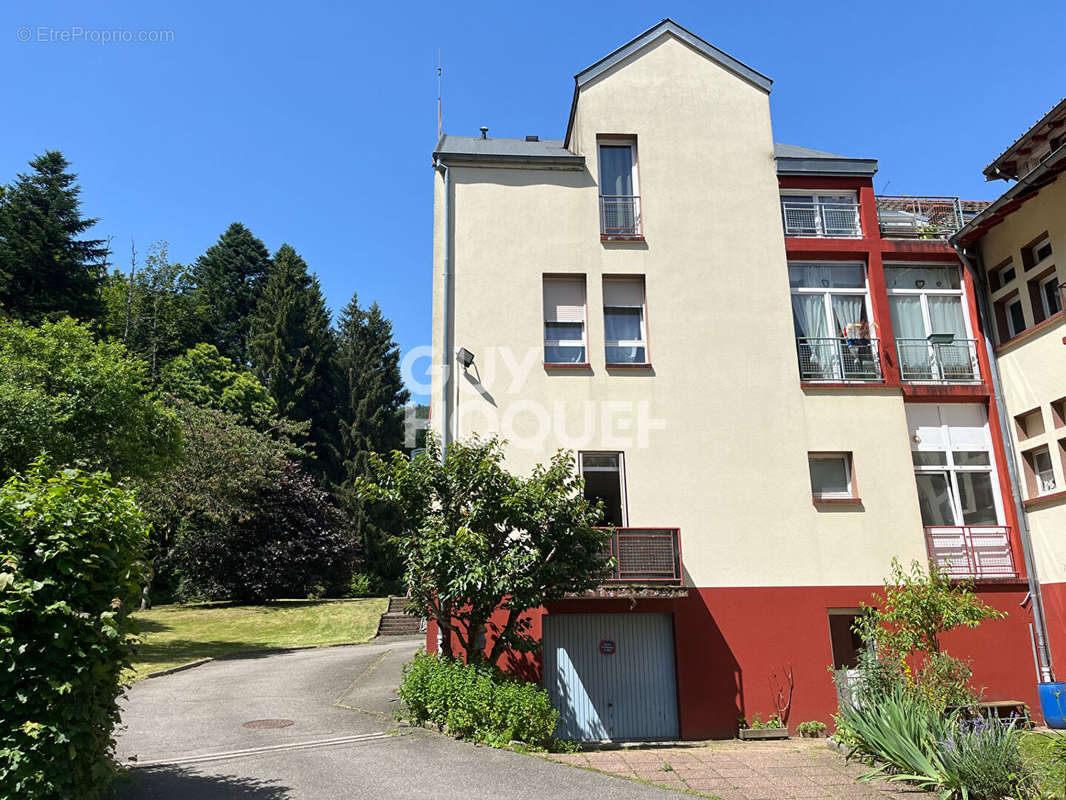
<point x="730" y="641"/>
<point x="1055" y="619"/>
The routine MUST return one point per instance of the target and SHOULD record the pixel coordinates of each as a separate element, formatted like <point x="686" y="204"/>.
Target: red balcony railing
<point x="972" y="551"/>
<point x="646" y="555"/>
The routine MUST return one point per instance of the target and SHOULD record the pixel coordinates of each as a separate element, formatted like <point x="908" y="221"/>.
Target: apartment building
<point x="775" y="381"/>
<point x="1016" y="247"/>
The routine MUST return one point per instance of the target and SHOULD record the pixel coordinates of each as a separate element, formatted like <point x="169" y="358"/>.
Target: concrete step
<point x="397" y="624"/>
<point x="397" y="604"/>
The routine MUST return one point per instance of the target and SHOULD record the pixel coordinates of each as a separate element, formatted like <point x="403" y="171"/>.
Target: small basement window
<point x="831" y="477"/>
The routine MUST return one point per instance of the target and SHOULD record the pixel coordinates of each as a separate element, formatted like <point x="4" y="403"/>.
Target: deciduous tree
<point x="476" y="538"/>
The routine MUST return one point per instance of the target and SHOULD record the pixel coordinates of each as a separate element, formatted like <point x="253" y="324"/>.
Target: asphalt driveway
<point x="188" y="733"/>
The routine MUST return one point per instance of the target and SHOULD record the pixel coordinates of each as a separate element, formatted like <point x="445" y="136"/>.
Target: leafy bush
<point x="982" y="761"/>
<point x="944" y="681"/>
<point x="811" y="728"/>
<point x="914" y="741"/>
<point x="902" y="733"/>
<point x="69" y="567"/>
<point x="363" y="584"/>
<point x="293" y="542"/>
<point x="477" y="702"/>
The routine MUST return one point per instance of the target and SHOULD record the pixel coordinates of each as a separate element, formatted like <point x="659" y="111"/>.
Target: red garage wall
<point x="731" y="641"/>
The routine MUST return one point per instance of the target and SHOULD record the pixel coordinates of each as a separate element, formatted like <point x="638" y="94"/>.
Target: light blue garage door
<point x="611" y="676"/>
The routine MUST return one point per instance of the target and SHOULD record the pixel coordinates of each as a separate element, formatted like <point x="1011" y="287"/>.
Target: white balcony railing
<point x="822" y="359"/>
<point x="620" y="216"/>
<point x="938" y="362"/>
<point x="971" y="551"/>
<point x="826" y="220"/>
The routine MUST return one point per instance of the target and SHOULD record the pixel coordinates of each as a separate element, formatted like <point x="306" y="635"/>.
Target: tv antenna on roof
<point x="440" y="112"/>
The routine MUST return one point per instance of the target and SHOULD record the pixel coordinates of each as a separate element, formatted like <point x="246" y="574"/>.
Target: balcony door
<point x="619" y="189"/>
<point x="831" y="316"/>
<point x="604" y="475"/>
<point x="954" y="466"/>
<point x="924" y="301"/>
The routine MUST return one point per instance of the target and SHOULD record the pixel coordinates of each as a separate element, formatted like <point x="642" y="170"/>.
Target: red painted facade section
<point x="729" y="641"/>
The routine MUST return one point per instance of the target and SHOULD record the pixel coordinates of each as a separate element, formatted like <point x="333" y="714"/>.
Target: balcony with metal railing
<point x="936" y="360"/>
<point x="821" y="219"/>
<point x="971" y="552"/>
<point x="620" y="217"/>
<point x="839" y="359"/>
<point x="906" y="217"/>
<point x="650" y="556"/>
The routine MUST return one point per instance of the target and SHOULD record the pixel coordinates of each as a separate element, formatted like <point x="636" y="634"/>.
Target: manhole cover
<point x="268" y="723"/>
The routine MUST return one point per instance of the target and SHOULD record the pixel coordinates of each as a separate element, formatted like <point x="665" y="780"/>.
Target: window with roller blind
<point x="564" y="320"/>
<point x="624" y="320"/>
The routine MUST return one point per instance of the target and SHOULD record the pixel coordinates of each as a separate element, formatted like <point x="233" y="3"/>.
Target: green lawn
<point x="1038" y="749"/>
<point x="178" y="634"/>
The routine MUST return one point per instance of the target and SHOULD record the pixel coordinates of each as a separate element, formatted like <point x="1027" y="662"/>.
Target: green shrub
<point x="70" y="545"/>
<point x="476" y="702"/>
<point x="363" y="584"/>
<point x="982" y="761"/>
<point x="811" y="728"/>
<point x="757" y="722"/>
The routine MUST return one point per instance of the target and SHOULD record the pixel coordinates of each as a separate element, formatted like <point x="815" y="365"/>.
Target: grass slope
<point x="175" y="634"/>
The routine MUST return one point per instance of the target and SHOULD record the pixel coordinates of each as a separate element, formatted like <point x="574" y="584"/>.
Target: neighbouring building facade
<point x="1016" y="246"/>
<point x="775" y="380"/>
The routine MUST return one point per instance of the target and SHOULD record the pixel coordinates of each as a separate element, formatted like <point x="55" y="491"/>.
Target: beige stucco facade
<point x="1033" y="365"/>
<point x="716" y="432"/>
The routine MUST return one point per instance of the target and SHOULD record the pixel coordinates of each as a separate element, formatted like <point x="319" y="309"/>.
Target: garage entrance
<point x="611" y="676"/>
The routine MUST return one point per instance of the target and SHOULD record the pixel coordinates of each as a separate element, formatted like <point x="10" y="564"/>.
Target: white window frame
<point x="816" y="196"/>
<point x="953" y="470"/>
<point x="621" y="471"/>
<point x="828" y="292"/>
<point x="849" y="492"/>
<point x="584" y="323"/>
<point x="1053" y="280"/>
<point x="1040" y="474"/>
<point x="1012" y="330"/>
<point x="1044" y="240"/>
<point x="925" y="293"/>
<point x="643" y="341"/>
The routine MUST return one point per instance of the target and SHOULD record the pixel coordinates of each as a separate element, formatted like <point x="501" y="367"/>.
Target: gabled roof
<point x="667" y="26"/>
<point x="993" y="170"/>
<point x="543" y="152"/>
<point x="688" y="37"/>
<point x="795" y="160"/>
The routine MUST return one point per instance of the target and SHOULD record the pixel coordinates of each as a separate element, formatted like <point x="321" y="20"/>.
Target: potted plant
<point x="772" y="728"/>
<point x="812" y="729"/>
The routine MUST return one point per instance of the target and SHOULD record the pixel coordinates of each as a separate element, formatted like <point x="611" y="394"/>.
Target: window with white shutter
<point x="624" y="320"/>
<point x="564" y="320"/>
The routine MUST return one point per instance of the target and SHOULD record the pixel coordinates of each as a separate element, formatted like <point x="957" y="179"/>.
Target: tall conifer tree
<point x="291" y="350"/>
<point x="229" y="277"/>
<point x="371" y="420"/>
<point x="46" y="270"/>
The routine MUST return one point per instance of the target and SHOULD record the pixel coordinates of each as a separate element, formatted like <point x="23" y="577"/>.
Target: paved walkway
<point x="797" y="768"/>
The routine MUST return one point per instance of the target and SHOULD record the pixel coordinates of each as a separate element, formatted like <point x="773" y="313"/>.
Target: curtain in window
<point x="922" y="277"/>
<point x="848" y="310"/>
<point x="808" y="315"/>
<point x="623" y="325"/>
<point x="915" y="358"/>
<point x="945" y="315"/>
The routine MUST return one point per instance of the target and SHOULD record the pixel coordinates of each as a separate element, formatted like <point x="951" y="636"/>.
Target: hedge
<point x="477" y="702"/>
<point x="70" y="545"/>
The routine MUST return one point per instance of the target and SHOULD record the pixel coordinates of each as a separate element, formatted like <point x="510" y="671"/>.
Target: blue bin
<point x="1053" y="703"/>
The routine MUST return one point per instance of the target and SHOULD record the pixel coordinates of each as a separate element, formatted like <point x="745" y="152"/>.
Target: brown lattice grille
<point x="647" y="555"/>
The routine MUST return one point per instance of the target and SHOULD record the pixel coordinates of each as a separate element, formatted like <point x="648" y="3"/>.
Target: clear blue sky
<point x="313" y="122"/>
